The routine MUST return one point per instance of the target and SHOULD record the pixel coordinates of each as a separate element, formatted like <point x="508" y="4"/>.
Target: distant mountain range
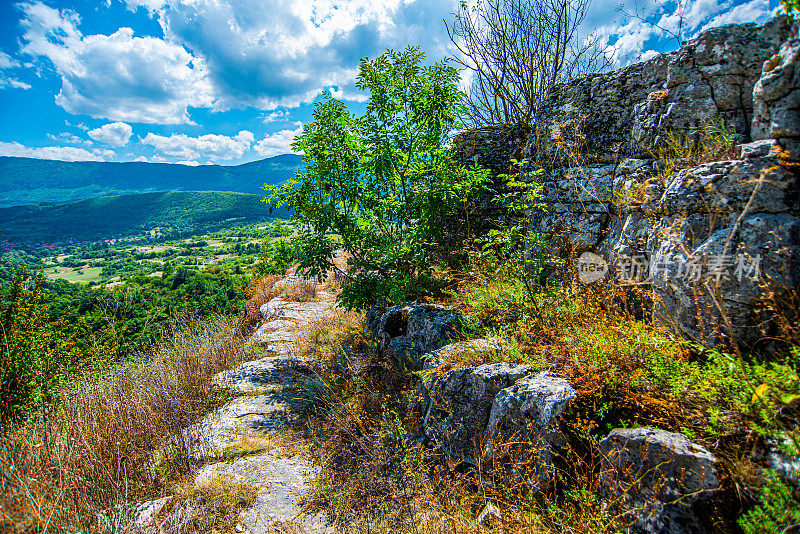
<point x="25" y="181"/>
<point x="128" y="215"/>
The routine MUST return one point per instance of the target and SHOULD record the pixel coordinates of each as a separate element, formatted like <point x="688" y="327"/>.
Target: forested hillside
<point x="116" y="216"/>
<point x="34" y="181"/>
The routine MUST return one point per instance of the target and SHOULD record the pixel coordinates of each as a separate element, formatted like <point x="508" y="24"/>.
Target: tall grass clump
<point x="95" y="448"/>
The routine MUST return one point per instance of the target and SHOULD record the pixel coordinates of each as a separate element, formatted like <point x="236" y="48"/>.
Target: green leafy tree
<point x="381" y="183"/>
<point x="33" y="350"/>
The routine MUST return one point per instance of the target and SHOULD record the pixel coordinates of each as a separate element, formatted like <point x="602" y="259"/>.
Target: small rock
<point x="787" y="467"/>
<point x="144" y="515"/>
<point x="757" y="149"/>
<point x="406" y="333"/>
<point x="489" y="511"/>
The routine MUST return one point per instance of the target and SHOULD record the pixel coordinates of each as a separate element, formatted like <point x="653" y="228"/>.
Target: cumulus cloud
<point x="211" y="146"/>
<point x="114" y="133"/>
<point x="753" y="11"/>
<point x="277" y="143"/>
<point x="63" y="153"/>
<point x="278" y="53"/>
<point x="119" y="76"/>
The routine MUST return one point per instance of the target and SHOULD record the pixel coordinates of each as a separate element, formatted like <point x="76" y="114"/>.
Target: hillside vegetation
<point x="441" y="377"/>
<point x="125" y="215"/>
<point x="35" y="181"/>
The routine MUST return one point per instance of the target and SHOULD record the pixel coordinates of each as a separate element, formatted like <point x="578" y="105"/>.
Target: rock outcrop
<point x="522" y="425"/>
<point x="497" y="414"/>
<point x="406" y="333"/>
<point x="654" y="478"/>
<point x="629" y="112"/>
<point x="707" y="240"/>
<point x="460" y="405"/>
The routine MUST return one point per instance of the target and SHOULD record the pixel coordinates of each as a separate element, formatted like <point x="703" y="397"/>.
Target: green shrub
<point x="777" y="510"/>
<point x="33" y="353"/>
<point x="381" y="182"/>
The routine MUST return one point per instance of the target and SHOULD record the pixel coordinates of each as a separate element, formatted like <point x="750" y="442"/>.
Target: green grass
<point x="81" y="275"/>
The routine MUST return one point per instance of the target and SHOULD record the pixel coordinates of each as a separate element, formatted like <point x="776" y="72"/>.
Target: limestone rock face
<point x="703" y="242"/>
<point x="654" y="477"/>
<point x="406" y="333"/>
<point x="460" y="405"/>
<point x="776" y="98"/>
<point x="523" y="423"/>
<point x="627" y="112"/>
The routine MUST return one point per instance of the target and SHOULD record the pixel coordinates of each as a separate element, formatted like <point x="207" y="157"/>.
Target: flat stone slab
<point x="276" y="326"/>
<point x="261" y="374"/>
<point x="281" y="482"/>
<point x="210" y="437"/>
<point x="300" y="313"/>
<point x="282" y="342"/>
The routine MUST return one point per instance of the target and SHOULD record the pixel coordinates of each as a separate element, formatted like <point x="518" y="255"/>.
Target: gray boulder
<point x="489" y="349"/>
<point x="406" y="333"/>
<point x="523" y="424"/>
<point x="654" y="477"/>
<point x="460" y="405"/>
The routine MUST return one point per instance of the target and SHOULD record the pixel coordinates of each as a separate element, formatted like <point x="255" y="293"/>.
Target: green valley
<point x="146" y="214"/>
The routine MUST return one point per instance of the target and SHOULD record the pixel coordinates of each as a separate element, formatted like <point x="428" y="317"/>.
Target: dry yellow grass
<point x="95" y="449"/>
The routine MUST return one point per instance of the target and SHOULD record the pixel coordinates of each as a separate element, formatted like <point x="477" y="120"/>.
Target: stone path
<point x="268" y="402"/>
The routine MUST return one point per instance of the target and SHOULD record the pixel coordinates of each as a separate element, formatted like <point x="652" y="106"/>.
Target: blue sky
<point x="231" y="81"/>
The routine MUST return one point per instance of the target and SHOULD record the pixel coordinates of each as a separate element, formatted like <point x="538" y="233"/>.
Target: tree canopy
<point x="379" y="185"/>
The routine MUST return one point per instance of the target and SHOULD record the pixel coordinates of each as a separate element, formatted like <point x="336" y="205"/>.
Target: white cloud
<point x="216" y="147"/>
<point x="190" y="163"/>
<point x="63" y="153"/>
<point x="277" y="143"/>
<point x="66" y="137"/>
<point x="11" y="82"/>
<point x="755" y="11"/>
<point x="280" y="53"/>
<point x="7" y="62"/>
<point x="119" y="76"/>
<point x="114" y="133"/>
<point x="278" y="115"/>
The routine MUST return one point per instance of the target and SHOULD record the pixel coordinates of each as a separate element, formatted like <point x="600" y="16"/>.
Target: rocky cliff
<point x="681" y="172"/>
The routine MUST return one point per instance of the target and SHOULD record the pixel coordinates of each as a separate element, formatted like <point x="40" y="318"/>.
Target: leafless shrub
<point x="516" y="50"/>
